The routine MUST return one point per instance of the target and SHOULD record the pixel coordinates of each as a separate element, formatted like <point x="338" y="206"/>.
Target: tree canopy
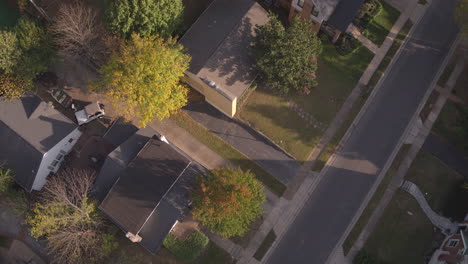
<point x="67" y="216"/>
<point x="287" y="58"/>
<point x="25" y="52"/>
<point x="143" y="79"/>
<point x="145" y="17"/>
<point x="227" y="201"/>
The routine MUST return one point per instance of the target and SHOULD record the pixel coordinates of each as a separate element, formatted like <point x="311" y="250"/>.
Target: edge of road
<point x="402" y="138"/>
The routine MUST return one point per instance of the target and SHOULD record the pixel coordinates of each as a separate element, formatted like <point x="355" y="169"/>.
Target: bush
<point x="368" y="11"/>
<point x="347" y="45"/>
<point x="188" y="249"/>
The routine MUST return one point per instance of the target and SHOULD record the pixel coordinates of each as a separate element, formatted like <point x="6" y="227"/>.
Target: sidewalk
<point x="400" y="174"/>
<point x="413" y="11"/>
<point x="305" y="181"/>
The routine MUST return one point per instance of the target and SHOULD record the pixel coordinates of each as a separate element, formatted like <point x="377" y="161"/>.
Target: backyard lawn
<point x="271" y="114"/>
<point x="8" y="15"/>
<point x="403" y="235"/>
<point x="379" y="27"/>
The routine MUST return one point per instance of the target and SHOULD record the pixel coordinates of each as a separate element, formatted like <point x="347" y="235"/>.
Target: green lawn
<point x="379" y="27"/>
<point x="8" y="15"/>
<point x="214" y="255"/>
<point x="461" y="86"/>
<point x="375" y="200"/>
<point x="447" y="72"/>
<point x="226" y="151"/>
<point x="403" y="235"/>
<point x="266" y="244"/>
<point x="437" y="181"/>
<point x="133" y="253"/>
<point x="452" y="125"/>
<point x="269" y="113"/>
<point x="390" y="53"/>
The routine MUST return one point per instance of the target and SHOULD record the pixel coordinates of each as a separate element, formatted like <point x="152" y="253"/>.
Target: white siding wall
<point x="47" y="164"/>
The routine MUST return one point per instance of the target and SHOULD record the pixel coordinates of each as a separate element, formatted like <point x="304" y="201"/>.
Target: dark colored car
<point x="61" y="97"/>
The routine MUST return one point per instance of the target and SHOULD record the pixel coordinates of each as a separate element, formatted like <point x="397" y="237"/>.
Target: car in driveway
<point x="61" y="97"/>
<point x="89" y="113"/>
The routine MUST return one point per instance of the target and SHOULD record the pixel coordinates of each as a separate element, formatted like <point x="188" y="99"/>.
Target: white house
<point x="34" y="139"/>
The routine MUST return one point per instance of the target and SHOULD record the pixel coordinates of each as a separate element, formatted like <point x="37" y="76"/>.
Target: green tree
<point x="9" y="51"/>
<point x="25" y="52"/>
<point x="36" y="49"/>
<point x="227" y="201"/>
<point x="461" y="14"/>
<point x="287" y="58"/>
<point x="145" y="17"/>
<point x="143" y="80"/>
<point x="10" y="195"/>
<point x="69" y="219"/>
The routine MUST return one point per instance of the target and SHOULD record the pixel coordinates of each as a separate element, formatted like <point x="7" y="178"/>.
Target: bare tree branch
<point x="80" y="33"/>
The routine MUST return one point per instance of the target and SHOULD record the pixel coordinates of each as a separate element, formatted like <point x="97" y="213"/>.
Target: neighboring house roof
<point x="29" y="128"/>
<point x="220" y="43"/>
<point x="344" y="14"/>
<point x="119" y="131"/>
<point x="119" y="159"/>
<point x="325" y="8"/>
<point x="152" y="188"/>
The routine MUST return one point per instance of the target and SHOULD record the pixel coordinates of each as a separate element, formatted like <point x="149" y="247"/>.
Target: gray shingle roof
<point x="35" y="121"/>
<point x="152" y="188"/>
<point x="344" y="14"/>
<point x="29" y="128"/>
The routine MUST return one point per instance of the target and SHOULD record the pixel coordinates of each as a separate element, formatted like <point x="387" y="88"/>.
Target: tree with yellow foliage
<point x="143" y="79"/>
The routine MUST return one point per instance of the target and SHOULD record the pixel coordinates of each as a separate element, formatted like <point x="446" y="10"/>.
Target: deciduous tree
<point x="143" y="79"/>
<point x="227" y="201"/>
<point x="287" y="57"/>
<point x="145" y="17"/>
<point x="79" y="32"/>
<point x="24" y="53"/>
<point x="67" y="216"/>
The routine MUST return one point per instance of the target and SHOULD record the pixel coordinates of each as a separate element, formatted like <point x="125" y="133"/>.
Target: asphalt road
<point x="328" y="212"/>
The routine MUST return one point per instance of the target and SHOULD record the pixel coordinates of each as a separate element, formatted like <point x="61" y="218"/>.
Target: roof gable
<point x="35" y="122"/>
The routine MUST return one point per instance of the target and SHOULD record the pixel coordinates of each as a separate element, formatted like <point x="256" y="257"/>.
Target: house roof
<point x="326" y="8"/>
<point x="21" y="157"/>
<point x="344" y="14"/>
<point x="119" y="131"/>
<point x="152" y="188"/>
<point x="35" y="121"/>
<point x="220" y="43"/>
<point x="118" y="159"/>
<point x="29" y="128"/>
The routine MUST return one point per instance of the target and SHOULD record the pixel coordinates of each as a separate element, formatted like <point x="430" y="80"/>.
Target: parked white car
<point x="89" y="113"/>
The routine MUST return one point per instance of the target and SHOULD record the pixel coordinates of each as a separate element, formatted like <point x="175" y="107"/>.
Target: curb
<point x="401" y="140"/>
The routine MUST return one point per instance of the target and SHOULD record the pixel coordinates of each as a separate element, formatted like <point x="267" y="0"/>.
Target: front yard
<point x="452" y="125"/>
<point x="404" y="234"/>
<point x="274" y="115"/>
<point x="440" y="184"/>
<point x="376" y="19"/>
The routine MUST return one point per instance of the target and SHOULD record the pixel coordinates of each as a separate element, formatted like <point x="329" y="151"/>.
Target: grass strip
<point x="228" y="152"/>
<point x="266" y="244"/>
<point x="390" y="53"/>
<point x="374" y="201"/>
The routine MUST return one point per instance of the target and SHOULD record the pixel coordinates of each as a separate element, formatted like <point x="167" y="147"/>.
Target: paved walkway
<point x="444" y="224"/>
<point x="245" y="139"/>
<point x="412" y="11"/>
<point x="305" y="181"/>
<point x="405" y="165"/>
<point x="10" y="226"/>
<point x="356" y="33"/>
